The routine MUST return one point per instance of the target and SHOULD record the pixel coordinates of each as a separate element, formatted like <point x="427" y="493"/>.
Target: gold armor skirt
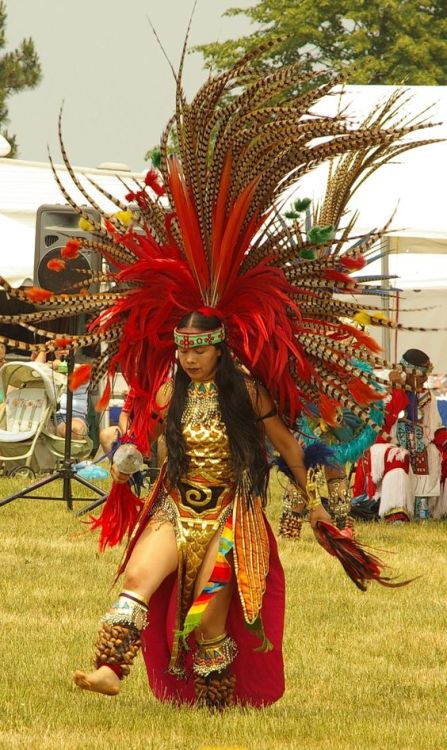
<point x="198" y="510"/>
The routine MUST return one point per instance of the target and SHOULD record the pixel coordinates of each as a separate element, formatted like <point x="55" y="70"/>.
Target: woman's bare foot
<point x="102" y="680"/>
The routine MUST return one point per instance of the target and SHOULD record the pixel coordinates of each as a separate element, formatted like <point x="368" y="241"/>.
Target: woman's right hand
<point x="118" y="476"/>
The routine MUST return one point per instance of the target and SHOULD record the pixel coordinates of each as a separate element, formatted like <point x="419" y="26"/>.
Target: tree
<point x="19" y="70"/>
<point x="377" y="41"/>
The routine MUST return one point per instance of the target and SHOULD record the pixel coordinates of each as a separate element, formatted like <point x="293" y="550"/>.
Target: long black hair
<point x="246" y="440"/>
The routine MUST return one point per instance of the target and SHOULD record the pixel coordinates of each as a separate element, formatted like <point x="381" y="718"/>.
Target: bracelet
<point x="294" y="499"/>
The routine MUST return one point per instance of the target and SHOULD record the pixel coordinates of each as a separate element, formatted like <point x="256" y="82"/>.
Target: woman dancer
<point x="203" y="539"/>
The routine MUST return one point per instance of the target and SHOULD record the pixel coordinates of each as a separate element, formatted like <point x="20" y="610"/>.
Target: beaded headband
<point x="205" y="338"/>
<point x="425" y="369"/>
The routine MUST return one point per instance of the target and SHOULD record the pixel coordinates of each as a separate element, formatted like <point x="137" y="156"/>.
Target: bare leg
<point x="79" y="428"/>
<point x="155" y="556"/>
<point x="215" y="616"/>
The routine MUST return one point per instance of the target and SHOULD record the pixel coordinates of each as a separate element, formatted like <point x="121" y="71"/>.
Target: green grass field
<point x="364" y="671"/>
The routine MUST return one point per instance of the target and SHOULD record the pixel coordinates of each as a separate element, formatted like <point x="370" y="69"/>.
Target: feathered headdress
<point x="205" y="232"/>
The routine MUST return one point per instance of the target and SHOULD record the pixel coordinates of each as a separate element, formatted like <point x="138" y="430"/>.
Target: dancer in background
<point x="403" y="469"/>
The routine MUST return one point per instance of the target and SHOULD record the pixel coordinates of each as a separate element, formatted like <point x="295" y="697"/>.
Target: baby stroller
<point x="27" y="419"/>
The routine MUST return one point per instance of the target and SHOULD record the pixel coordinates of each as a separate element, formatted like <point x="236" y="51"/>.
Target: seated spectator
<point x="109" y="435"/>
<point x="403" y="468"/>
<point x="79" y="428"/>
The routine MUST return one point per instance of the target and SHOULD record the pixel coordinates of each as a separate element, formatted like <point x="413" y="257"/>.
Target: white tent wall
<point x="424" y="308"/>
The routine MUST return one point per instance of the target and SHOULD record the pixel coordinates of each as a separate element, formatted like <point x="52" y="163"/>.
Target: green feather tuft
<point x="320" y="235"/>
<point x="302" y="204"/>
<point x="156" y="157"/>
<point x="307" y="254"/>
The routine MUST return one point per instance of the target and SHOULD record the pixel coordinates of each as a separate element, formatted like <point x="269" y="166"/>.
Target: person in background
<point x="403" y="468"/>
<point x="110" y="435"/>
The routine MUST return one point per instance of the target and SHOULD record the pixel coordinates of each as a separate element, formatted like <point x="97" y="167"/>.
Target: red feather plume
<point x="353" y="262"/>
<point x="79" y="376"/>
<point x="62" y="342"/>
<point x="328" y="410"/>
<point x="363" y="393"/>
<point x="362" y="338"/>
<point x="71" y="249"/>
<point x="35" y="294"/>
<point x="56" y="264"/>
<point x="103" y="401"/>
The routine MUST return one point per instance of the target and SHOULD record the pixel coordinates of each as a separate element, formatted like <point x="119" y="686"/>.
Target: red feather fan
<point x="118" y="516"/>
<point x="359" y="565"/>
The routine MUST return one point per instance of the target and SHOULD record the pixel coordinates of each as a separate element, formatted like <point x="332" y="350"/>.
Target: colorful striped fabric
<point x="220" y="575"/>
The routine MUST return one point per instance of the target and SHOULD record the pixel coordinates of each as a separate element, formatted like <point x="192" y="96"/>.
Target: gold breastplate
<point x="206" y="441"/>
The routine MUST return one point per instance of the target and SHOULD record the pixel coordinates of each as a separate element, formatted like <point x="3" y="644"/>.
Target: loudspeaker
<point x="55" y="224"/>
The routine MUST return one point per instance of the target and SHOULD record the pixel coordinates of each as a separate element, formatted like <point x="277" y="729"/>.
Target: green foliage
<point x="302" y="204"/>
<point x="372" y="41"/>
<point x="154" y="154"/>
<point x="19" y="69"/>
<point x="308" y="254"/>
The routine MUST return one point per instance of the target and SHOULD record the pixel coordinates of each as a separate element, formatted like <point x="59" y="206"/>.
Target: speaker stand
<point x="67" y="472"/>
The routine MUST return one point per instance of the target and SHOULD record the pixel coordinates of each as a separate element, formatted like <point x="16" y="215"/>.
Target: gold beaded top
<point x="205" y="435"/>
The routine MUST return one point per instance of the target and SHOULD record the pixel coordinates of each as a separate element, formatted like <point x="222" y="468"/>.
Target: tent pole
<point x="386" y="332"/>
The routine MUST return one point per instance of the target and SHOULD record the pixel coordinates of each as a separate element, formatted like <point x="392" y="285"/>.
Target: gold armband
<point x="339" y="499"/>
<point x="312" y="490"/>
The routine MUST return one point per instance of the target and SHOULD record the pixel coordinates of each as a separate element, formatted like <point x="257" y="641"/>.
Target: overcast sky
<point x="101" y="58"/>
